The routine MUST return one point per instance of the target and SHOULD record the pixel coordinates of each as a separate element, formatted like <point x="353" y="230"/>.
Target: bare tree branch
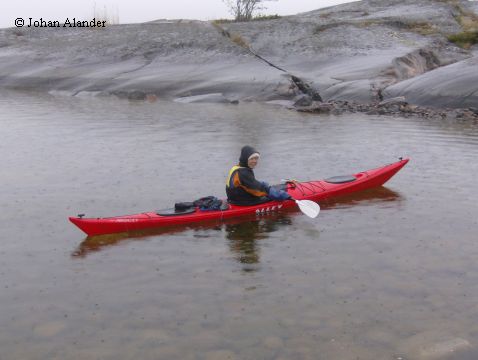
<point x="243" y="10"/>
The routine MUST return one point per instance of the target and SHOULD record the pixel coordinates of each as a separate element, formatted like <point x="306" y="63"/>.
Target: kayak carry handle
<point x="81" y="215"/>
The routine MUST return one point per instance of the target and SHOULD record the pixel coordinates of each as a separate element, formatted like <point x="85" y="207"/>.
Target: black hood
<point x="246" y="151"/>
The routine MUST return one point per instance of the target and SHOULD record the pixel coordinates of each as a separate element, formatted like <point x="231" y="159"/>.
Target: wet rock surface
<point x="362" y="52"/>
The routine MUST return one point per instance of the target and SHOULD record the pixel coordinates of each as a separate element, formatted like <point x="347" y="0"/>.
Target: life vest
<point x="239" y="194"/>
<point x="236" y="180"/>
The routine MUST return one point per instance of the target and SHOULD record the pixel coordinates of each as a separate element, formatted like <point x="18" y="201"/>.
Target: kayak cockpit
<point x="175" y="212"/>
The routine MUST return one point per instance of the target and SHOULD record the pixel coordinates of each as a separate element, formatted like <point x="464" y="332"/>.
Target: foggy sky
<point x="129" y="11"/>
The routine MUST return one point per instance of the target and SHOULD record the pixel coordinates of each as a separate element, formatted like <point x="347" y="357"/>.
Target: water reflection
<point x="365" y="198"/>
<point x="242" y="233"/>
<point x="97" y="243"/>
<point x="244" y="236"/>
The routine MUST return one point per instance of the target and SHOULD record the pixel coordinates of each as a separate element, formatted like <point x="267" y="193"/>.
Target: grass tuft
<point x="266" y="17"/>
<point x="255" y="18"/>
<point x="465" y="39"/>
<point x="419" y="27"/>
<point x="468" y="21"/>
<point x="239" y="40"/>
<point x="223" y="21"/>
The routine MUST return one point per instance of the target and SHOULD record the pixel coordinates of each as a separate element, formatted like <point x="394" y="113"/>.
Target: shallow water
<point x="385" y="274"/>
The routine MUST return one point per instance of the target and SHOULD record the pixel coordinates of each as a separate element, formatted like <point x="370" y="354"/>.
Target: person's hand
<point x="278" y="195"/>
<point x="292" y="183"/>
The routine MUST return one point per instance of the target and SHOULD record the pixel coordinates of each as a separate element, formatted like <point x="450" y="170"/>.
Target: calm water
<point x="387" y="274"/>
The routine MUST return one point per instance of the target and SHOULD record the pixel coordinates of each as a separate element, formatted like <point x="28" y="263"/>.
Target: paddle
<point x="308" y="207"/>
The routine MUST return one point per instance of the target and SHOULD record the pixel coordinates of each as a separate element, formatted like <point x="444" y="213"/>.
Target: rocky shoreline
<point x="391" y="107"/>
<point x="379" y="57"/>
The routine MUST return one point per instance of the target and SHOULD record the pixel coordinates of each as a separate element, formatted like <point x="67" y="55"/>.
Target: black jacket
<point x="242" y="188"/>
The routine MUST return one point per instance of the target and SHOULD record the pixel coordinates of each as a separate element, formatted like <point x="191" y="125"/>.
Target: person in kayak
<point x="242" y="188"/>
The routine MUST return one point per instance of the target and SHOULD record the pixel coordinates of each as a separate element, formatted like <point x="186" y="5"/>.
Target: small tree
<point x="242" y="10"/>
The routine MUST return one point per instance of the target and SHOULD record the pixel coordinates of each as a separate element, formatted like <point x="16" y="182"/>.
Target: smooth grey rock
<point x="453" y="86"/>
<point x="415" y="63"/>
<point x="220" y="355"/>
<point x="435" y="345"/>
<point x="216" y="98"/>
<point x="443" y="349"/>
<point x="303" y="100"/>
<point x="399" y="100"/>
<point x="347" y="52"/>
<point x="357" y="90"/>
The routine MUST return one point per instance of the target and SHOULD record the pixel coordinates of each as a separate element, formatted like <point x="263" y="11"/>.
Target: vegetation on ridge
<point x="468" y="21"/>
<point x="255" y="18"/>
<point x="420" y="27"/>
<point x="465" y="39"/>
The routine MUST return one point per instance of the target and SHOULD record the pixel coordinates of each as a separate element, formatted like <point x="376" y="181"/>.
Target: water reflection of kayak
<point x="319" y="191"/>
<point x="245" y="228"/>
<point x="371" y="196"/>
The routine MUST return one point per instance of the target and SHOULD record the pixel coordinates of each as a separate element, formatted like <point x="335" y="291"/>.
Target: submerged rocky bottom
<point x="387" y="274"/>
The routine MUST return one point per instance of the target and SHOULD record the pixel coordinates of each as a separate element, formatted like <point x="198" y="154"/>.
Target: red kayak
<point x="310" y="190"/>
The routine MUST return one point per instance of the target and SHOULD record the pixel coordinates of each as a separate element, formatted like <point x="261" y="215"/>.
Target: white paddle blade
<point x="309" y="208"/>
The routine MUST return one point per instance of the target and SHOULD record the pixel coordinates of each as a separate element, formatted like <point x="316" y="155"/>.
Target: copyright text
<point x="68" y="22"/>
